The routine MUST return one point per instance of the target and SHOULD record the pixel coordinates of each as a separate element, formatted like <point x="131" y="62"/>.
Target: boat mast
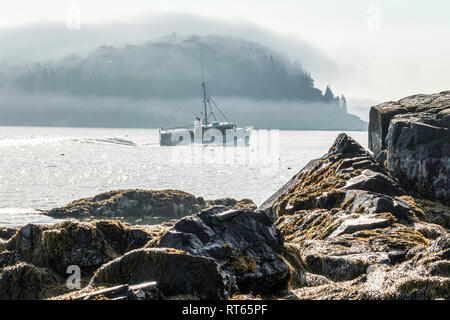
<point x="204" y="87"/>
<point x="205" y="101"/>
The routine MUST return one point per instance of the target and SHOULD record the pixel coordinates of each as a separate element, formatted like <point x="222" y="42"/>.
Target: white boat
<point x="206" y="132"/>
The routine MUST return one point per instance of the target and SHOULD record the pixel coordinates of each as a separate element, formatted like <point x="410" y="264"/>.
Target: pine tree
<point x="329" y="95"/>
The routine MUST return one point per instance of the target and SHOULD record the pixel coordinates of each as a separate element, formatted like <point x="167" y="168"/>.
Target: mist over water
<point x="157" y="84"/>
<point x="22" y="109"/>
<point x="42" y="168"/>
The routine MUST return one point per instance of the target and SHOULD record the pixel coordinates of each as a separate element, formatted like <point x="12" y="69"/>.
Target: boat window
<point x="180" y="138"/>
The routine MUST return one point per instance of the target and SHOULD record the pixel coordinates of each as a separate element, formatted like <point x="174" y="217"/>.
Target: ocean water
<point x="42" y="168"/>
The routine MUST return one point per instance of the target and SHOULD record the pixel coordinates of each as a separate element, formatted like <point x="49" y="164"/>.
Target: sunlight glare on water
<point x="42" y="168"/>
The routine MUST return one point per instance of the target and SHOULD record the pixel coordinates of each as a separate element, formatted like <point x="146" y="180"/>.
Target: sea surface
<point x="42" y="167"/>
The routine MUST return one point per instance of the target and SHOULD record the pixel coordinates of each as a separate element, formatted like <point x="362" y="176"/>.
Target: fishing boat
<point x="207" y="130"/>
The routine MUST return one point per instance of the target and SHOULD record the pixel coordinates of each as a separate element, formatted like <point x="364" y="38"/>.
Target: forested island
<point x="157" y="84"/>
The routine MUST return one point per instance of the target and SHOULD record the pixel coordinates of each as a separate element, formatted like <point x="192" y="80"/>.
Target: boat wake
<point x="118" y="141"/>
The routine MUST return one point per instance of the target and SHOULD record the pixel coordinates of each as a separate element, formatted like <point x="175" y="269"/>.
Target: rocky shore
<point x="411" y="137"/>
<point x="353" y="224"/>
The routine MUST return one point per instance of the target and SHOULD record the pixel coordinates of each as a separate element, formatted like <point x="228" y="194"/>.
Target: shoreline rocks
<point x="140" y="205"/>
<point x="25" y="281"/>
<point x="346" y="219"/>
<point x="411" y="137"/>
<point x="88" y="245"/>
<point x="131" y="203"/>
<point x="349" y="225"/>
<point x="174" y="271"/>
<point x="244" y="243"/>
<point x="6" y="233"/>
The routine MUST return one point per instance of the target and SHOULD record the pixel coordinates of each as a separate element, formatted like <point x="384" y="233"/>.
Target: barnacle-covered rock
<point x="352" y="231"/>
<point x="87" y="245"/>
<point x="25" y="281"/>
<point x="137" y="206"/>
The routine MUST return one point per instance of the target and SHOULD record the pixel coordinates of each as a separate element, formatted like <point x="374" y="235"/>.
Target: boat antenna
<point x="205" y="100"/>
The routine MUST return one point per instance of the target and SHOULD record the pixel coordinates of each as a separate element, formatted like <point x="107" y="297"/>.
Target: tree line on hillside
<point x="171" y="69"/>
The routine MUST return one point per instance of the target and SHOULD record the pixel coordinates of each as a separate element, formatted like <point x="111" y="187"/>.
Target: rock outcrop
<point x="141" y="204"/>
<point x="243" y="247"/>
<point x="6" y="233"/>
<point x="57" y="246"/>
<point x="244" y="204"/>
<point x="132" y="203"/>
<point x="424" y="275"/>
<point x="244" y="243"/>
<point x="347" y="172"/>
<point x="176" y="273"/>
<point x="352" y="230"/>
<point x="24" y="281"/>
<point x="349" y="225"/>
<point x="411" y="137"/>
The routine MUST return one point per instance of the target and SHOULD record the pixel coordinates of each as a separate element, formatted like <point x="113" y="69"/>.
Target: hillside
<point x="169" y="69"/>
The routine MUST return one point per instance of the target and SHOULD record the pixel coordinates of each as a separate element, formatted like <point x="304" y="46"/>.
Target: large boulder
<point x="244" y="243"/>
<point x="57" y="246"/>
<point x="24" y="281"/>
<point x="132" y="203"/>
<point x="414" y="134"/>
<point x="176" y="273"/>
<point x="137" y="206"/>
<point x="333" y="180"/>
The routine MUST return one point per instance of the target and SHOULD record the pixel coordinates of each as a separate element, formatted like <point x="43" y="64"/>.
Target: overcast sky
<point x="385" y="49"/>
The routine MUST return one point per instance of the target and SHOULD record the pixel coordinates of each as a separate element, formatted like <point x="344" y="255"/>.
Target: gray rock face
<point x="244" y="243"/>
<point x="360" y="223"/>
<point x="374" y="182"/>
<point x="379" y="120"/>
<point x="415" y="135"/>
<point x="176" y="273"/>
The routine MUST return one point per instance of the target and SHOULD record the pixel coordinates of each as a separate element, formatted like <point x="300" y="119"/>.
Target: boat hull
<point x="205" y="135"/>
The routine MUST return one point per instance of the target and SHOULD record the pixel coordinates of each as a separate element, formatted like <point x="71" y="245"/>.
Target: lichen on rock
<point x="87" y="245"/>
<point x="25" y="282"/>
<point x="352" y="232"/>
<point x="132" y="203"/>
<point x="138" y="206"/>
